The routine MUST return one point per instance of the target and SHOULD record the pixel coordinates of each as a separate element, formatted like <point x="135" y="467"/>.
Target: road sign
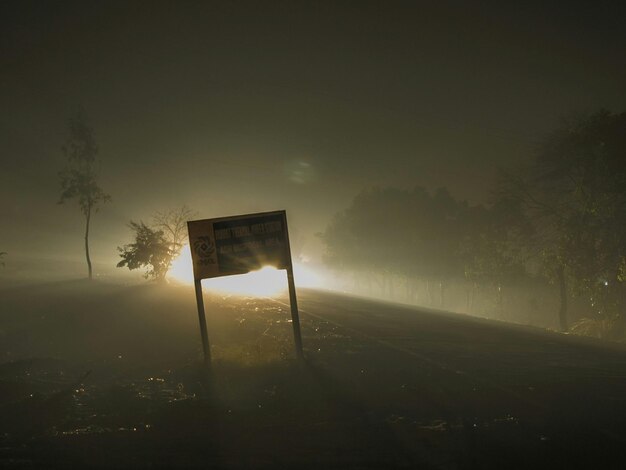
<point x="238" y="245"/>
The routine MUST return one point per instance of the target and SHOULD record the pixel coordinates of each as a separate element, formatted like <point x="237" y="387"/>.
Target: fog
<point x="212" y="107"/>
<point x="453" y="179"/>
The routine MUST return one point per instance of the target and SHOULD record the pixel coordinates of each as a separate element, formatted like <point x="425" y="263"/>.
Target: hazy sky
<point x="235" y="107"/>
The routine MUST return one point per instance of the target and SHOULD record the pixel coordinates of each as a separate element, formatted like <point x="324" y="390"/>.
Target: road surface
<point x="540" y="395"/>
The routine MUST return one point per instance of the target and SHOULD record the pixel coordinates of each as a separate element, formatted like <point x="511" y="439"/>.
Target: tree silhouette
<point x="156" y="247"/>
<point x="173" y="224"/>
<point x="79" y="177"/>
<point x="493" y="249"/>
<point x="390" y="232"/>
<point x="574" y="194"/>
<point x="150" y="250"/>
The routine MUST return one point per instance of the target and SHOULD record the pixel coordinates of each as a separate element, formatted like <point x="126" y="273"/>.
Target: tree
<point x="574" y="194"/>
<point x="173" y="224"/>
<point x="391" y="233"/>
<point x="156" y="247"/>
<point x="151" y="250"/>
<point x="79" y="178"/>
<point x="493" y="249"/>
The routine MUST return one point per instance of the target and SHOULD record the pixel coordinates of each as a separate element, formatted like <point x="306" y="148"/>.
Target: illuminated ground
<point x="104" y="375"/>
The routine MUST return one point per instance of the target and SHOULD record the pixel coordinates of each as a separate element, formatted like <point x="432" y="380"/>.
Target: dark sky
<point x="234" y="107"/>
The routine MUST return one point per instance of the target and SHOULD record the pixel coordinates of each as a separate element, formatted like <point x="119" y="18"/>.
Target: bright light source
<point x="266" y="282"/>
<point x="182" y="267"/>
<point x="306" y="277"/>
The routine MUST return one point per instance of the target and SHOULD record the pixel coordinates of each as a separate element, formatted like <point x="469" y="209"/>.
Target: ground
<point x="110" y="376"/>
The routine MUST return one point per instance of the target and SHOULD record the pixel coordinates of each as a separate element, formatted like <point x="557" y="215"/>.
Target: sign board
<point x="238" y="245"/>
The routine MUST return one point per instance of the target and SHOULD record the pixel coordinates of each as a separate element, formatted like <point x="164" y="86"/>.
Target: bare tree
<point x="79" y="177"/>
<point x="173" y="224"/>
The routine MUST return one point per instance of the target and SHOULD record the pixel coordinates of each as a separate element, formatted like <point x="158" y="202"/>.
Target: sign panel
<point x="239" y="244"/>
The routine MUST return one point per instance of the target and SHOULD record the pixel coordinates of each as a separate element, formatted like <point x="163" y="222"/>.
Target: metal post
<point x="203" y="328"/>
<point x="295" y="317"/>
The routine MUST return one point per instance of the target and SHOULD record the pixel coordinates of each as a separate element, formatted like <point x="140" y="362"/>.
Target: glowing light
<point x="306" y="277"/>
<point x="266" y="282"/>
<point x="182" y="267"/>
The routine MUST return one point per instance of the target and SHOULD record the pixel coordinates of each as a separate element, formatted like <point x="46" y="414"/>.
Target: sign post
<point x="202" y="317"/>
<point x="237" y="245"/>
<point x="295" y="317"/>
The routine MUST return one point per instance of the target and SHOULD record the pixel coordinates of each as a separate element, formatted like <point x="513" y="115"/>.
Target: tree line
<point x="560" y="220"/>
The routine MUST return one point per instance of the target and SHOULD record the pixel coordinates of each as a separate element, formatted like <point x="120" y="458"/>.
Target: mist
<point x="445" y="290"/>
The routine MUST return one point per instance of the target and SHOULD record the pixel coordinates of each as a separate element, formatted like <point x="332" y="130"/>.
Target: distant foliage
<point x="418" y="235"/>
<point x="561" y="219"/>
<point x="2" y="255"/>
